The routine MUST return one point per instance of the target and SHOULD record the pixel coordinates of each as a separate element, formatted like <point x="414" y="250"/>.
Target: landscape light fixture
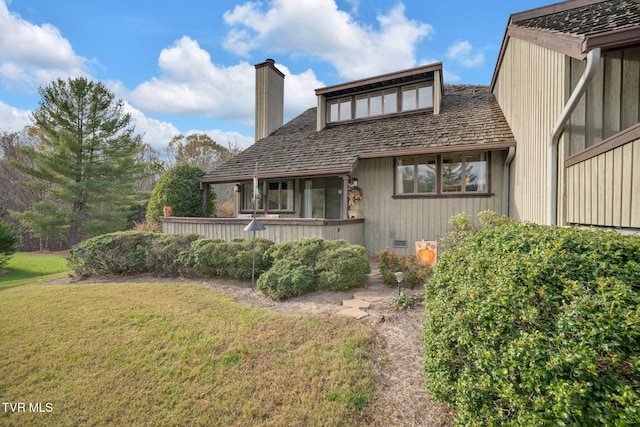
<point x="399" y="278"/>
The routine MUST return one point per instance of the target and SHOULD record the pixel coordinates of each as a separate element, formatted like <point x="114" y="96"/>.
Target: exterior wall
<point x="387" y="219"/>
<point x="277" y="230"/>
<point x="611" y="103"/>
<point x="603" y="190"/>
<point x="530" y="88"/>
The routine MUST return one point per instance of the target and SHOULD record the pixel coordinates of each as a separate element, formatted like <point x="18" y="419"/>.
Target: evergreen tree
<point x="88" y="152"/>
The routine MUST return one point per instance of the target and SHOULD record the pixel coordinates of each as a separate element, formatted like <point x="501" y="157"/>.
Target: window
<point x="280" y="196"/>
<point x="376" y="103"/>
<point x="340" y="110"/>
<point x="417" y="96"/>
<point x="442" y="174"/>
<point x="247" y="198"/>
<point x="416" y="175"/>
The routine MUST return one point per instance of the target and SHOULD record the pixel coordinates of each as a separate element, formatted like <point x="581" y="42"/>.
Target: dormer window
<point x="376" y="103"/>
<point x="416" y="89"/>
<point x="416" y="97"/>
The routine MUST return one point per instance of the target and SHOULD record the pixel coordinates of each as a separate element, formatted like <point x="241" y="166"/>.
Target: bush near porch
<point x="535" y="325"/>
<point x="313" y="263"/>
<point x="289" y="268"/>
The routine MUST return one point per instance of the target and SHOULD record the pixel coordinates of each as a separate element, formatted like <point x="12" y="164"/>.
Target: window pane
<point x="476" y="173"/>
<point x="427" y="175"/>
<point x="452" y="174"/>
<point x="425" y="97"/>
<point x="333" y="112"/>
<point x="247" y="196"/>
<point x="362" y="107"/>
<point x="375" y="105"/>
<point x="345" y="110"/>
<point x="390" y="103"/>
<point x="409" y="99"/>
<point x="286" y="195"/>
<point x="273" y="196"/>
<point x="405" y="173"/>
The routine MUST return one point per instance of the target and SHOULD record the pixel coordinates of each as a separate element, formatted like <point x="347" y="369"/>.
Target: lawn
<point x="24" y="267"/>
<point x="174" y="354"/>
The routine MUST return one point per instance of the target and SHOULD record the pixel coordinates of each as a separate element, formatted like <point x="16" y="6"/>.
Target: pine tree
<point x="88" y="152"/>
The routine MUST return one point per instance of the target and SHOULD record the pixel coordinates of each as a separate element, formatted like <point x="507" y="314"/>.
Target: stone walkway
<point x="374" y="296"/>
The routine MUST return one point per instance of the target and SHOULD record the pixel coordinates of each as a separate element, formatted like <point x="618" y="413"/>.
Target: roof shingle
<point x="469" y="117"/>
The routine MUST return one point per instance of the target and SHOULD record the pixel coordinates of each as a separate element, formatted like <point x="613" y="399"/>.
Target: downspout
<point x="593" y="59"/>
<point x="506" y="180"/>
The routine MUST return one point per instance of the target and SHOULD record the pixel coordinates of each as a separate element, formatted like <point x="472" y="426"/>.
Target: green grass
<point x="24" y="267"/>
<point x="175" y="354"/>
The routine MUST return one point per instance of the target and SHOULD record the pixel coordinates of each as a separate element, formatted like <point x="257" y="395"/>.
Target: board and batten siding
<point x="277" y="230"/>
<point x="605" y="190"/>
<point x="387" y="220"/>
<point x="531" y="88"/>
<point x="611" y="102"/>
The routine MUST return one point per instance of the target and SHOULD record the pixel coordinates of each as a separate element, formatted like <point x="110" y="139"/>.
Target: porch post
<point x="345" y="197"/>
<point x="205" y="200"/>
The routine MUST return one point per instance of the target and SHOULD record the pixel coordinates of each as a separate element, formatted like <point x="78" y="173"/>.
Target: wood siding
<point x="387" y="220"/>
<point x="277" y="230"/>
<point x="611" y="103"/>
<point x="605" y="190"/>
<point x="531" y="90"/>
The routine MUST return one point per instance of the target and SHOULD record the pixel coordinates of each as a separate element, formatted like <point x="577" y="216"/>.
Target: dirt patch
<point x="396" y="356"/>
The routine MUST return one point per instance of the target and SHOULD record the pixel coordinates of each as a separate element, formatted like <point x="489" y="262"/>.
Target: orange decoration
<point x="167" y="210"/>
<point x="427" y="256"/>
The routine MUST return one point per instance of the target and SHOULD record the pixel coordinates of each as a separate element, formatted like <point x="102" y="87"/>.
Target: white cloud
<point x="33" y="55"/>
<point x="13" y="119"/>
<point x="355" y="50"/>
<point x="461" y="52"/>
<point x="189" y="83"/>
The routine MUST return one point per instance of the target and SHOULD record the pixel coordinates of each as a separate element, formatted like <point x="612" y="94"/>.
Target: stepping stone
<point x="355" y="303"/>
<point x="353" y="312"/>
<point x="368" y="296"/>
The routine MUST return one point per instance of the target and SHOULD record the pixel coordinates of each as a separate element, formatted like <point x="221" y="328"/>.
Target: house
<point x="546" y="142"/>
<point x="568" y="83"/>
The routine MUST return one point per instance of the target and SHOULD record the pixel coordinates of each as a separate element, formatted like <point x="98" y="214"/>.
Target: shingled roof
<point x="585" y="20"/>
<point x="469" y="118"/>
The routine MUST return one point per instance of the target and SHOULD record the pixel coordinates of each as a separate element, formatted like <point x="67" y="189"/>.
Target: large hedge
<point x="533" y="325"/>
<point x="129" y="252"/>
<point x="179" y="187"/>
<point x="334" y="265"/>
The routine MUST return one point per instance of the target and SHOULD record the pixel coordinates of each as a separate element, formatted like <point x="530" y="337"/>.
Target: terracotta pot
<point x="167" y="210"/>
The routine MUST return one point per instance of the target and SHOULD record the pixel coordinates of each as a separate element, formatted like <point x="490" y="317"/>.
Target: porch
<point x="277" y="229"/>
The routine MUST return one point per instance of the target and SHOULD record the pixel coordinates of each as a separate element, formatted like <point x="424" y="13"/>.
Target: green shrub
<point x="216" y="257"/>
<point x="415" y="274"/>
<point x="8" y="242"/>
<point x="336" y="264"/>
<point x="179" y="187"/>
<point x="534" y="325"/>
<point x="342" y="268"/>
<point x="128" y="252"/>
<point x="163" y="252"/>
<point x="286" y="278"/>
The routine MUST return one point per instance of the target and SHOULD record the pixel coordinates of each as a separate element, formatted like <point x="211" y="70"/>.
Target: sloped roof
<point x="574" y="27"/>
<point x="469" y="118"/>
<point x="585" y="20"/>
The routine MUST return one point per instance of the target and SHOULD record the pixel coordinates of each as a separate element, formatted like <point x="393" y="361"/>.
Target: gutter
<point x="506" y="180"/>
<point x="593" y="60"/>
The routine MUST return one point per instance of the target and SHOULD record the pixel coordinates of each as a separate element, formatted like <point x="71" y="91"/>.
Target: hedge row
<point x="283" y="270"/>
<point x="313" y="263"/>
<point x="129" y="252"/>
<point x="535" y="325"/>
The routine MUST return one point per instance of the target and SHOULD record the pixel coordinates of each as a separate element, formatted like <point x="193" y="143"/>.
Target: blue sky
<point x="188" y="66"/>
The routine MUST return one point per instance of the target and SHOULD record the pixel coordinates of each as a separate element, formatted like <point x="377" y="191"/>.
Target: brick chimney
<point x="269" y="98"/>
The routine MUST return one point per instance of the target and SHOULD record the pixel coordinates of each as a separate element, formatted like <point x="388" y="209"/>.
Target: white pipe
<point x="506" y="177"/>
<point x="593" y="59"/>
